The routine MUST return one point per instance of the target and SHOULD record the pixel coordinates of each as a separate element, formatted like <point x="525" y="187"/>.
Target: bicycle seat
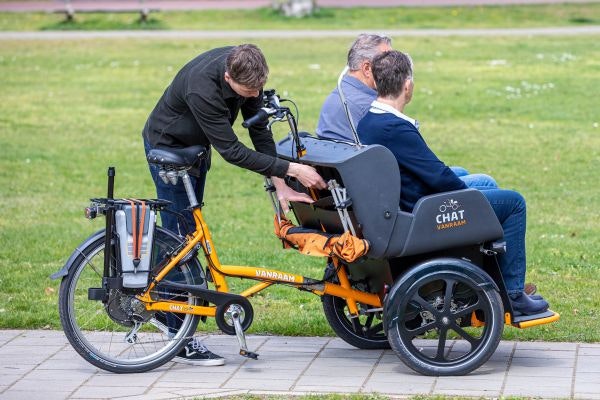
<point x="184" y="157"/>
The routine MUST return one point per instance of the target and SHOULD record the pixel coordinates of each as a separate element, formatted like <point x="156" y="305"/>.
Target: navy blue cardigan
<point x="421" y="172"/>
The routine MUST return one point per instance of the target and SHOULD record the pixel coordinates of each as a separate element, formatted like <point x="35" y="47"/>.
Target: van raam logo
<point x="450" y="216"/>
<point x="261" y="273"/>
<point x="176" y="307"/>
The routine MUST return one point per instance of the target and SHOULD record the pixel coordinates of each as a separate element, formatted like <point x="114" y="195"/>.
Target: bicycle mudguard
<point x="64" y="271"/>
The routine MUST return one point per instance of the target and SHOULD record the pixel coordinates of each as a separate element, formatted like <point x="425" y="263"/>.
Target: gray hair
<point x="365" y="48"/>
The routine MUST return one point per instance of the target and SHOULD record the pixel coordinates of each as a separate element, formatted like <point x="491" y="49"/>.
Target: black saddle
<point x="183" y="158"/>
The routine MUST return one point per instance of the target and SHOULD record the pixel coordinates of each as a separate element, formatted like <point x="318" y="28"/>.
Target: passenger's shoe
<point x="523" y="304"/>
<point x="196" y="353"/>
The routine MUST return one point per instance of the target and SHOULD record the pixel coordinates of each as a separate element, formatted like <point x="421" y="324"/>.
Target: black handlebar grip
<point x="260" y="116"/>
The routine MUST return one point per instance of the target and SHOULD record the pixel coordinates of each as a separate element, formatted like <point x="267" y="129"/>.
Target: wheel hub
<point x="125" y="309"/>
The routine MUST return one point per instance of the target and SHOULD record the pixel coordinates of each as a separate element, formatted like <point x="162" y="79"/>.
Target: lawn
<point x="520" y="109"/>
<point x="325" y="18"/>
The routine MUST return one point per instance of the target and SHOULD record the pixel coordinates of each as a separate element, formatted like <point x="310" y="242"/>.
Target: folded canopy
<point x="317" y="243"/>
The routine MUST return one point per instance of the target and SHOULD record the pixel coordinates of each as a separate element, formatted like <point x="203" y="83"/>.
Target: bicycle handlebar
<point x="262" y="115"/>
<point x="271" y="107"/>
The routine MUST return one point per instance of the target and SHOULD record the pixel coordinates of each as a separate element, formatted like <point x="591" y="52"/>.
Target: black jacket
<point x="199" y="107"/>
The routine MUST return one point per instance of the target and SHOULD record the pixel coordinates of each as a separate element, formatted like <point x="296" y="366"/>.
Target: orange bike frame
<point x="267" y="277"/>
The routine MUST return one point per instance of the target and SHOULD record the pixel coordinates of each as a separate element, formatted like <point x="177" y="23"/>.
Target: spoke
<point x="369" y="320"/>
<point x="88" y="261"/>
<point x="423" y="303"/>
<point x="465" y="335"/>
<point x="441" y="344"/>
<point x="467" y="310"/>
<point x="422" y="329"/>
<point x="374" y="330"/>
<point x="448" y="295"/>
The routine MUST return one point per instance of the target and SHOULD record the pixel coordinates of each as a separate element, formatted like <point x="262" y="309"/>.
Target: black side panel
<point x="447" y="220"/>
<point x="372" y="179"/>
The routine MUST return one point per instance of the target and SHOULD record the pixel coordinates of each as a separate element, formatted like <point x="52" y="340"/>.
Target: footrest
<point x="527" y="321"/>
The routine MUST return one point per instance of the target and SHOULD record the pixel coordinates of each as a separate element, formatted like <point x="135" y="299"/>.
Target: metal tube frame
<point x="267" y="277"/>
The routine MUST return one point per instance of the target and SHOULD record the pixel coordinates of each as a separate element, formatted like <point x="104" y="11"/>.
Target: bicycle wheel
<point x="364" y="331"/>
<point x="439" y="303"/>
<point x="120" y="335"/>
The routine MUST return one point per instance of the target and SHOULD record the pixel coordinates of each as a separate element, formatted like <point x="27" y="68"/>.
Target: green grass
<point x="521" y="109"/>
<point x="326" y="18"/>
<point x="322" y="397"/>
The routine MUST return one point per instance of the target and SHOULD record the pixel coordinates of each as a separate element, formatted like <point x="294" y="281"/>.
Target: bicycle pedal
<point x="249" y="354"/>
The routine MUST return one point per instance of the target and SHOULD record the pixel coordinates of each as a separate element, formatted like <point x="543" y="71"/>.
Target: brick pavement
<point x="41" y="364"/>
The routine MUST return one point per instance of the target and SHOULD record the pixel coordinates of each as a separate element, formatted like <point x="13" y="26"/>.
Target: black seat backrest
<point x="371" y="177"/>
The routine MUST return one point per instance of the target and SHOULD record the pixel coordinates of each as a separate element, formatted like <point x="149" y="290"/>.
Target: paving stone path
<point x="42" y="365"/>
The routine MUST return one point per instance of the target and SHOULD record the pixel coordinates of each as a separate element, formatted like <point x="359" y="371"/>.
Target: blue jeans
<point x="475" y="181"/>
<point x="510" y="208"/>
<point x="180" y="203"/>
<point x="177" y="195"/>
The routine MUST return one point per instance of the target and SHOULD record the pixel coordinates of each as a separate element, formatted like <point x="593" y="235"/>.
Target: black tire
<point x="440" y="300"/>
<point x="97" y="330"/>
<point x="369" y="334"/>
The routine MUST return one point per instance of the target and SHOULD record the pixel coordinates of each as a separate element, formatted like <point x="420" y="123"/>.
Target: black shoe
<point x="525" y="305"/>
<point x="196" y="353"/>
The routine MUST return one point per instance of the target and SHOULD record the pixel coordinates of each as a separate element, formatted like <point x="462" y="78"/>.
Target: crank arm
<point x="131" y="337"/>
<point x="241" y="337"/>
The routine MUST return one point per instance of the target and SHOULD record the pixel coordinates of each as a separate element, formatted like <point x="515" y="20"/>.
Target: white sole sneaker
<point x="209" y="362"/>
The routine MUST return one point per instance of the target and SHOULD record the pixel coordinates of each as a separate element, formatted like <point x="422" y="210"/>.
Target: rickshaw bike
<point x="132" y="294"/>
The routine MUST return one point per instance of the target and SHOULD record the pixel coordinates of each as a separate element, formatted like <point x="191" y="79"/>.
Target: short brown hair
<point x="247" y="66"/>
<point x="390" y="70"/>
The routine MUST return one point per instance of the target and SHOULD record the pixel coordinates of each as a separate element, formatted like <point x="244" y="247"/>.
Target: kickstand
<point x="241" y="337"/>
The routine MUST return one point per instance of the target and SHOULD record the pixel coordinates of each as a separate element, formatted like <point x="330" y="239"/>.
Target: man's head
<point x="246" y="70"/>
<point x="361" y="54"/>
<point x="393" y="74"/>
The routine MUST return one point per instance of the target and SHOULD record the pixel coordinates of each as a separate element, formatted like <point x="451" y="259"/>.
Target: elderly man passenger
<point x="423" y="173"/>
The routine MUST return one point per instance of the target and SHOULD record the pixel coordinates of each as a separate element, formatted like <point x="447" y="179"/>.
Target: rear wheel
<point x="120" y="335"/>
<point x="444" y="305"/>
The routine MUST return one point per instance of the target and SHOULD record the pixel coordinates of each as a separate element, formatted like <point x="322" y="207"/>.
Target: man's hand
<point x="307" y="175"/>
<point x="286" y="194"/>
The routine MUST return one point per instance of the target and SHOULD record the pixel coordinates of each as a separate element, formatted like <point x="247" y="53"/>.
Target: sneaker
<point x="523" y="304"/>
<point x="196" y="353"/>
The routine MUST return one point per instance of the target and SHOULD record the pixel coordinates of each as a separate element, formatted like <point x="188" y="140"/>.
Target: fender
<point x="427" y="268"/>
<point x="64" y="271"/>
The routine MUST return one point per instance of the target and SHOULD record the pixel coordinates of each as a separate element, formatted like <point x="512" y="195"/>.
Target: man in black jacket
<point x="200" y="107"/>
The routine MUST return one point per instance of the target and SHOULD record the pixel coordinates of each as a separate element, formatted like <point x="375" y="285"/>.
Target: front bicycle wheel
<point x="120" y="335"/>
<point x="365" y="331"/>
